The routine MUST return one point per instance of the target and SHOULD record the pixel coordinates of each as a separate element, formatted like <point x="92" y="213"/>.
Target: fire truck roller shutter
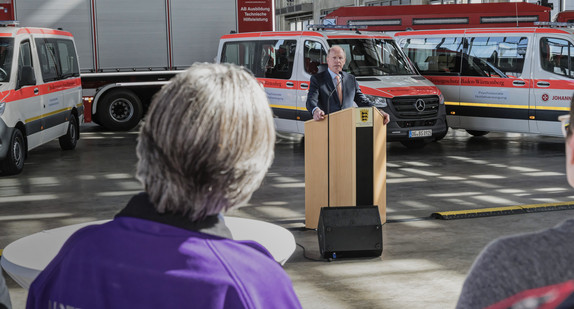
<point x="119" y="110"/>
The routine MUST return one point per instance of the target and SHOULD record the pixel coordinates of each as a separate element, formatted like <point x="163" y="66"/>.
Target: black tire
<point x="14" y="161"/>
<point x="119" y="110"/>
<point x="414" y="144"/>
<point x="69" y="141"/>
<point x="477" y="133"/>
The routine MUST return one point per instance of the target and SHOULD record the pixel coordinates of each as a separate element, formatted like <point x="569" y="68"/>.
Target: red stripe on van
<point x="477" y="81"/>
<point x="376" y="92"/>
<point x="411" y="91"/>
<point x="279" y="83"/>
<point x="28" y="92"/>
<point x="43" y="31"/>
<point x="6" y="34"/>
<point x="481" y="31"/>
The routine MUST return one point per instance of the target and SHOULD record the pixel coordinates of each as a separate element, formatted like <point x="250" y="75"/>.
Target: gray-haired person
<point x="204" y="148"/>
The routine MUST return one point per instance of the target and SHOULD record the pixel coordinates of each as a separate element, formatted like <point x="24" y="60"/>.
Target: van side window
<point x="68" y="59"/>
<point x="313" y="55"/>
<point x="57" y="59"/>
<point x="435" y="56"/>
<point x="556" y="56"/>
<point x="267" y="59"/>
<point x="495" y="56"/>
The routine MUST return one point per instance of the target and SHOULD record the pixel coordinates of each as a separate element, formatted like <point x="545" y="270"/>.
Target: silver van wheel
<point x="14" y="161"/>
<point x="69" y="141"/>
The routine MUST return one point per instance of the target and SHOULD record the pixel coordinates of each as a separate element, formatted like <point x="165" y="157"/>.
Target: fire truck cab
<point x="285" y="61"/>
<point x="498" y="79"/>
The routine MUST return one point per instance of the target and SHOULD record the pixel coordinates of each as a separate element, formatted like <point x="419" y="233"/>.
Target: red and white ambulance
<point x="40" y="92"/>
<point x="285" y="61"/>
<point x="498" y="79"/>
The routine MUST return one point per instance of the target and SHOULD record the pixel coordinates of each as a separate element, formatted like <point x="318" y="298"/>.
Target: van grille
<point x="406" y="107"/>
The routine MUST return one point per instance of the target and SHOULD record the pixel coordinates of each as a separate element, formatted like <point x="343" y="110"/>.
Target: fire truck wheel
<point x="476" y="133"/>
<point x="69" y="141"/>
<point x="120" y="110"/>
<point x="14" y="162"/>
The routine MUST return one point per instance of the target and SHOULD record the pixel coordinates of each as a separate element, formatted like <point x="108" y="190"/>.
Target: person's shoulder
<point x="321" y="75"/>
<point x="348" y="75"/>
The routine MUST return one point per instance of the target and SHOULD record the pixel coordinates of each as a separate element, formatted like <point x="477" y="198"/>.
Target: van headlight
<point x="379" y="102"/>
<point x="2" y="108"/>
<point x="440" y="99"/>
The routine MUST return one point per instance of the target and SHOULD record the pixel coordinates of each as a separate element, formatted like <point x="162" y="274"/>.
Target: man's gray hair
<point x="207" y="141"/>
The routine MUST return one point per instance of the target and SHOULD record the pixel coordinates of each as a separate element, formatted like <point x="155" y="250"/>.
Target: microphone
<point x="329" y="139"/>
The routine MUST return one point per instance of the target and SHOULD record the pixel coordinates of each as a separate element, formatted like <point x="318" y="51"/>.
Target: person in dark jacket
<point x="333" y="89"/>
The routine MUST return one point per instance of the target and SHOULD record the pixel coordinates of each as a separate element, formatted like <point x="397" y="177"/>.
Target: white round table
<point x="26" y="257"/>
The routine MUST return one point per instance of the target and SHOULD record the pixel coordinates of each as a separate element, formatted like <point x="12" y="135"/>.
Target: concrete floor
<point x="424" y="260"/>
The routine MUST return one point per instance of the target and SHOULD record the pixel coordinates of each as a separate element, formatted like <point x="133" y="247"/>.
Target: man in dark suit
<point x="333" y="90"/>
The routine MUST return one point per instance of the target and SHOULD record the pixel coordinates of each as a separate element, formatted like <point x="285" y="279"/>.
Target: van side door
<point x="52" y="100"/>
<point x="494" y="89"/>
<point x="314" y="54"/>
<point x="70" y="83"/>
<point x="553" y="80"/>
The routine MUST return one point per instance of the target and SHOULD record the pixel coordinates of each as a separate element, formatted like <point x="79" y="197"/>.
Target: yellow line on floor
<point x="498" y="211"/>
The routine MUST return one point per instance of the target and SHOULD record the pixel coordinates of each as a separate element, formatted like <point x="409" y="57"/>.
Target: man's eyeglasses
<point x="565" y="124"/>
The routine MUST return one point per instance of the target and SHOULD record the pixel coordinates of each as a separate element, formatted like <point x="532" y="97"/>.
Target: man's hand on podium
<point x="386" y="117"/>
<point x="318" y="114"/>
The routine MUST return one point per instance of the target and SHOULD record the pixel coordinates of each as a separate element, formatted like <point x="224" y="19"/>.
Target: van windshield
<point x="373" y="57"/>
<point x="6" y="52"/>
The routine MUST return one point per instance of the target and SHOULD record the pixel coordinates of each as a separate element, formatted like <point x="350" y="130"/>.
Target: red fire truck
<point x="565" y="17"/>
<point x="128" y="49"/>
<point x="447" y="16"/>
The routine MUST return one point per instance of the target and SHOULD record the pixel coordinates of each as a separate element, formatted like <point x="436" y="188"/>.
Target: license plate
<point x="420" y="133"/>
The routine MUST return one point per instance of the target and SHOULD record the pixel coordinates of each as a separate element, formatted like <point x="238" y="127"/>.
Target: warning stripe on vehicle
<point x="499" y="211"/>
<point x="28" y="91"/>
<point x="47" y="115"/>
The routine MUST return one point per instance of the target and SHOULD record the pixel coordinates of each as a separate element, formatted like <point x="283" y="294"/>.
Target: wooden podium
<point x="354" y="158"/>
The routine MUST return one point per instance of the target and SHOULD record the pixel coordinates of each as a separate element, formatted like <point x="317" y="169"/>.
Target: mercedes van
<point x="498" y="79"/>
<point x="40" y="92"/>
<point x="284" y="62"/>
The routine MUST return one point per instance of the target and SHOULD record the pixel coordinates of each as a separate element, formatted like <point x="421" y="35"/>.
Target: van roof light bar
<point x="553" y="24"/>
<point x="344" y="27"/>
<point x="9" y="23"/>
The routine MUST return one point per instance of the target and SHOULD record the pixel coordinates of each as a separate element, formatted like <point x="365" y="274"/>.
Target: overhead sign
<point x="255" y="15"/>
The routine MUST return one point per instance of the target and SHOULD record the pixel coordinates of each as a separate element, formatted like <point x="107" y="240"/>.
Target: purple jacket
<point x="135" y="262"/>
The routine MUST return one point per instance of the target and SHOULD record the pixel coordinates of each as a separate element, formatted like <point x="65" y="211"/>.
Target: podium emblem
<point x="364" y="117"/>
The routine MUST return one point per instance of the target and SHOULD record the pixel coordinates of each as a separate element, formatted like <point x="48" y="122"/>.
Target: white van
<point x="40" y="92"/>
<point x="285" y="61"/>
<point x="498" y="79"/>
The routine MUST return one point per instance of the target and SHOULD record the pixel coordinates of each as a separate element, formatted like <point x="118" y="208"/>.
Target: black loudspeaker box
<point x="353" y="231"/>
